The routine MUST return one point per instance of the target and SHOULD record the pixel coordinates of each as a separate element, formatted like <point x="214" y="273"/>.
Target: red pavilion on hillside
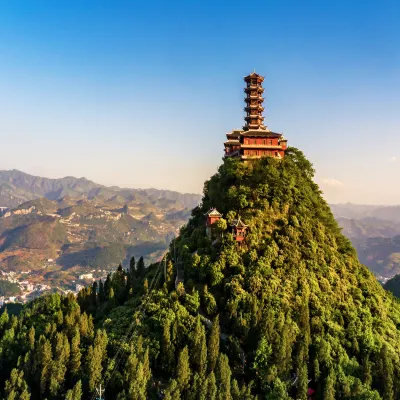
<point x="255" y="140"/>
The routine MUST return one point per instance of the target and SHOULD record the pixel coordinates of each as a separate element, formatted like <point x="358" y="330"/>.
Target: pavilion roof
<point x="234" y="133"/>
<point x="253" y="75"/>
<point x="238" y="223"/>
<point x="213" y="212"/>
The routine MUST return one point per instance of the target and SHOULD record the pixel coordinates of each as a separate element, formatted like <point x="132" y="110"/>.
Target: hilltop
<point x="291" y="313"/>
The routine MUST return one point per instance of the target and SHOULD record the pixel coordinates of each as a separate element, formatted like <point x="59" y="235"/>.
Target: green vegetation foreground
<point x="289" y="313"/>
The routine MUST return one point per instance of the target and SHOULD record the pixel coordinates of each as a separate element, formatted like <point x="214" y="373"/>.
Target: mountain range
<point x="58" y="229"/>
<point x="17" y="187"/>
<point x="375" y="233"/>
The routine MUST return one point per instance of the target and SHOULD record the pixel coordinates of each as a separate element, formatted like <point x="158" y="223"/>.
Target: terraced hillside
<point x="57" y="240"/>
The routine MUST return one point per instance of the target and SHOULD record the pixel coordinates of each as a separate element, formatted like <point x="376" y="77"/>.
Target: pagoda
<point x="255" y="140"/>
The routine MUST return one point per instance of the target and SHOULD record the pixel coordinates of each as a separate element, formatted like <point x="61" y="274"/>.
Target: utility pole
<point x="100" y="392"/>
<point x="165" y="268"/>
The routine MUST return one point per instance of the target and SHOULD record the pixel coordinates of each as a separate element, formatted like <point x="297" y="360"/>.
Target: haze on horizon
<point x="141" y="95"/>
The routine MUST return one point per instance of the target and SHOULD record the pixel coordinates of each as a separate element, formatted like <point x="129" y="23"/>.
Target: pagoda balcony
<point x="253" y="117"/>
<point x="246" y="157"/>
<point x="263" y="146"/>
<point x="253" y="87"/>
<point x="254" y="97"/>
<point x="234" y="142"/>
<point x="254" y="126"/>
<point x="253" y="107"/>
<point x="253" y="157"/>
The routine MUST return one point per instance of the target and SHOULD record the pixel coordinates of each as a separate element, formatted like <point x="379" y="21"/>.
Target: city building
<point x="86" y="277"/>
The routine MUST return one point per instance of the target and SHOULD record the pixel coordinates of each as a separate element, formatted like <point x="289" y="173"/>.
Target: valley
<point x="375" y="233"/>
<point x="80" y="230"/>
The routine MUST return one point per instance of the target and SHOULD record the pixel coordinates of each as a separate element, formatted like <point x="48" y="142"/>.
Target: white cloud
<point x="393" y="159"/>
<point x="332" y="182"/>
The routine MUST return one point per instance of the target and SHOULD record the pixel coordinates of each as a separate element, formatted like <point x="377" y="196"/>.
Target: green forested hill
<point x="291" y="311"/>
<point x="393" y="285"/>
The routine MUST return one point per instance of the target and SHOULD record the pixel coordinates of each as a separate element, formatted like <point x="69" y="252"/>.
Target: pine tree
<point x="59" y="364"/>
<point x="137" y="377"/>
<point x="102" y="296"/>
<point x="223" y="374"/>
<point x="170" y="275"/>
<point x="386" y="367"/>
<point x="167" y="349"/>
<point x="235" y="391"/>
<point x="211" y="387"/>
<point x="278" y="391"/>
<point x="261" y="359"/>
<point x="302" y="372"/>
<point x="75" y="360"/>
<point x="4" y="319"/>
<point x="119" y="284"/>
<point x="203" y="355"/>
<point x="107" y="287"/>
<point x="199" y="347"/>
<point x="43" y="361"/>
<point x="93" y="299"/>
<point x="303" y="343"/>
<point x="172" y="392"/>
<point x="193" y="392"/>
<point x="329" y="387"/>
<point x="31" y="338"/>
<point x="140" y="268"/>
<point x="111" y="302"/>
<point x="132" y="268"/>
<point x="95" y="357"/>
<point x="213" y="345"/>
<point x="132" y="265"/>
<point x="75" y="393"/>
<point x="183" y="370"/>
<point x="16" y="387"/>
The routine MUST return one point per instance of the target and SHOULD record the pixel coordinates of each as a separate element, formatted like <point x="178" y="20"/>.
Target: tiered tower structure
<point x="255" y="140"/>
<point x="254" y="100"/>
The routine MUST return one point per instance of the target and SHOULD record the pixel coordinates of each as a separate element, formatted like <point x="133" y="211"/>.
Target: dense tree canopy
<point x="290" y="311"/>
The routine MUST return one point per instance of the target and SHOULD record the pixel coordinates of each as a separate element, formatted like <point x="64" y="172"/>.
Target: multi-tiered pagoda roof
<point x="255" y="140"/>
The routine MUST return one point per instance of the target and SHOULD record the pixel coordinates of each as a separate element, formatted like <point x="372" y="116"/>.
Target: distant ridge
<point x="17" y="187"/>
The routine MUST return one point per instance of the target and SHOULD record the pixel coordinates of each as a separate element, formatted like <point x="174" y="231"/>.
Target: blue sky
<point x="141" y="94"/>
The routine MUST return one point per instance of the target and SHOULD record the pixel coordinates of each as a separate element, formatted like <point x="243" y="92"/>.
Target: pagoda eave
<point x="263" y="133"/>
<point x="254" y="97"/>
<point x="253" y="76"/>
<point x="253" y="88"/>
<point x="250" y="107"/>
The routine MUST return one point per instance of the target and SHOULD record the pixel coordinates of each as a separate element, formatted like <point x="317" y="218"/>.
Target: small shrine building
<point x="238" y="226"/>
<point x="239" y="230"/>
<point x="212" y="217"/>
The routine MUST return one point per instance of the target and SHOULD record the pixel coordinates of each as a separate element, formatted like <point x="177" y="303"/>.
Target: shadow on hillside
<point x="111" y="255"/>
